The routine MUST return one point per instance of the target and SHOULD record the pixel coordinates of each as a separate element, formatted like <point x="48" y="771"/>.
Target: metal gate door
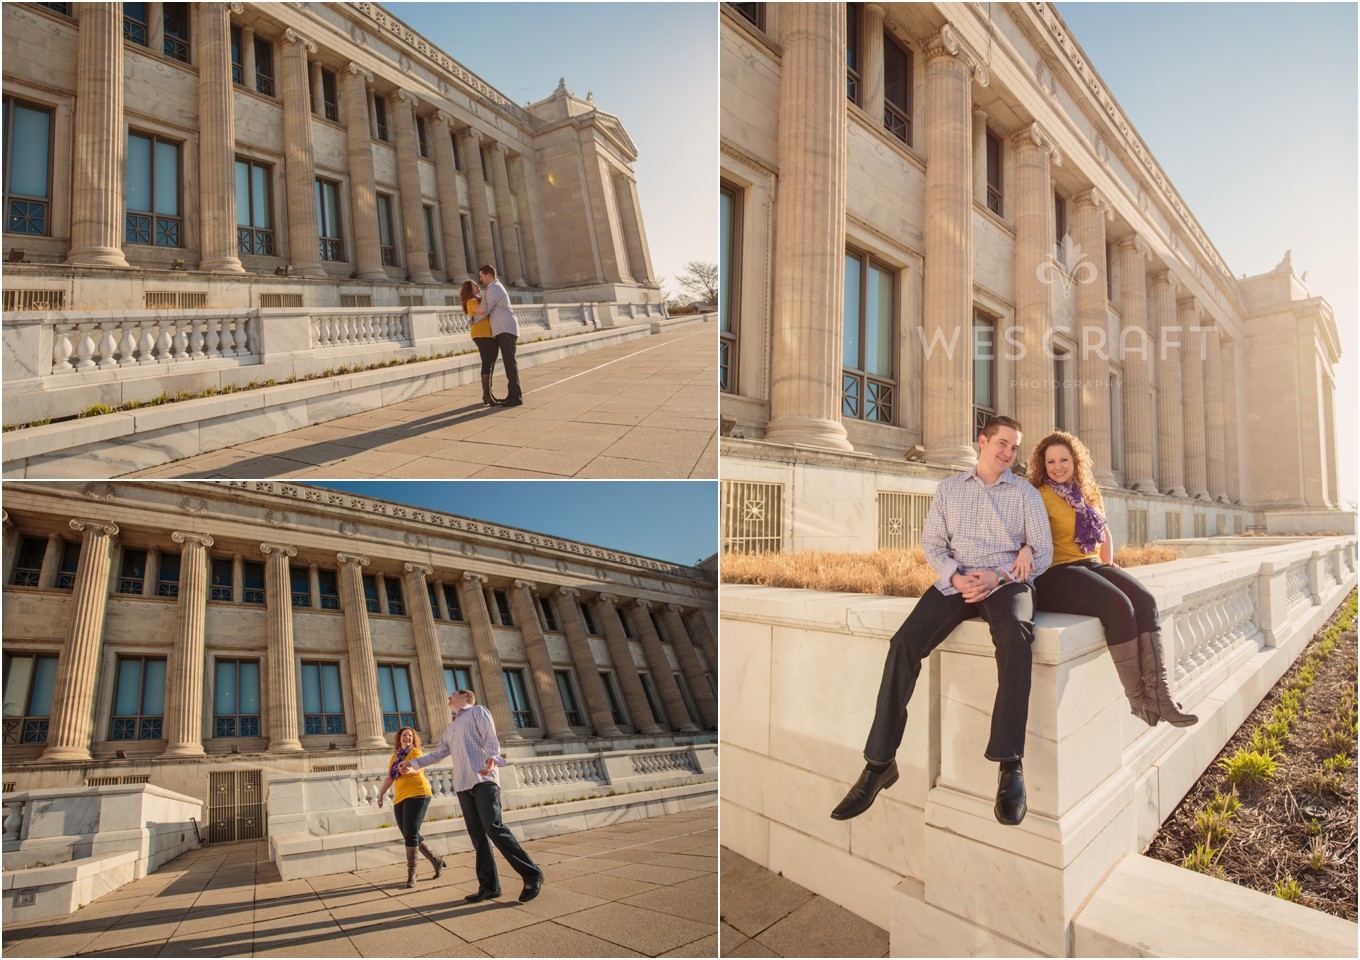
<point x="235" y="806"/>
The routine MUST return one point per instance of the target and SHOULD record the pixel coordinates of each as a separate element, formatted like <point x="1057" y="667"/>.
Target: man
<point x="504" y="327"/>
<point x="977" y="525"/>
<point x="471" y="742"/>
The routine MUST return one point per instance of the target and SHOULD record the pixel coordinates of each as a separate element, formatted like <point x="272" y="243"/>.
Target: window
<point x="238" y="69"/>
<point x="29" y="681"/>
<point x="420" y="137"/>
<point x="607" y="681"/>
<point x="498" y="253"/>
<point x="686" y="696"/>
<point x="139" y="699"/>
<point x="519" y="699"/>
<point x="300" y="586"/>
<point x="62" y="8"/>
<point x="28" y="152"/>
<point x="430" y="234"/>
<point x="264" y="67"/>
<point x="394" y="693"/>
<point x="152" y="192"/>
<point x="1109" y="273"/>
<point x="549" y="619"/>
<point x="469" y="254"/>
<point x="175" y="17"/>
<point x="330" y="108"/>
<point x="396" y="604"/>
<point x="220" y="580"/>
<point x="729" y="210"/>
<point x="896" y="88"/>
<point x="134" y="23"/>
<point x="457" y="152"/>
<point x="628" y="630"/>
<point x="386" y="244"/>
<point x="380" y="116"/>
<point x="652" y="702"/>
<point x="589" y="618"/>
<point x="70" y="562"/>
<point x="322" y="712"/>
<point x="854" y="13"/>
<point x="167" y="578"/>
<point x="252" y="582"/>
<point x="132" y="573"/>
<point x="568" y="698"/>
<point x="868" y="387"/>
<point x="1059" y="228"/>
<point x="371" y="594"/>
<point x="486" y="164"/>
<point x="1173" y="526"/>
<point x="503" y="607"/>
<point x="434" y="604"/>
<point x="457" y="678"/>
<point x="656" y="625"/>
<point x="254" y="209"/>
<point x="330" y="589"/>
<point x="993" y="173"/>
<point x="984" y="370"/>
<point x="754" y="12"/>
<point x="236" y="699"/>
<point x="28" y="563"/>
<point x="451" y="601"/>
<point x="328" y="220"/>
<point x="1062" y="361"/>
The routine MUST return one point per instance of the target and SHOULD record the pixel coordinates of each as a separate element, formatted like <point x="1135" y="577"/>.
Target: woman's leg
<point x="1144" y="603"/>
<point x="487" y="349"/>
<point x="409" y="826"/>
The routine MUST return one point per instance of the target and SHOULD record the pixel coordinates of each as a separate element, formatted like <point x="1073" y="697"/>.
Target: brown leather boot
<point x="1156" y="697"/>
<point x="487" y="398"/>
<point x="436" y="862"/>
<point x="1126" y="664"/>
<point x="410" y="867"/>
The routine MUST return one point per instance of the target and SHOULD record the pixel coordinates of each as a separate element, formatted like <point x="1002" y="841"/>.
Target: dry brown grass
<point x="897" y="573"/>
<point x="1132" y="556"/>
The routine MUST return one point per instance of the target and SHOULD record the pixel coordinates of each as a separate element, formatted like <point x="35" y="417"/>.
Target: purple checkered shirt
<point x="469" y="742"/>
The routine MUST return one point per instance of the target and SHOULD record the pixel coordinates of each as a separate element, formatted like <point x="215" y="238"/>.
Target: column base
<point x="1105" y="478"/>
<point x="688" y="728"/>
<point x="960" y="457"/>
<point x="372" y="743"/>
<point x="422" y="276"/>
<point x="809" y="432"/>
<point x="375" y="274"/>
<point x="66" y="753"/>
<point x="1177" y="492"/>
<point x="291" y="745"/>
<point x="652" y="731"/>
<point x="1143" y="486"/>
<point x="306" y="270"/>
<point x="184" y="750"/>
<point x="1202" y="496"/>
<point x="563" y="735"/>
<point x="609" y="732"/>
<point x="221" y="265"/>
<point x="96" y="257"/>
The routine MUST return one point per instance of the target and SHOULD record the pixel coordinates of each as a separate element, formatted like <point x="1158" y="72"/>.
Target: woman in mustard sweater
<point x="1084" y="580"/>
<point x="413" y="795"/>
<point x="470" y="295"/>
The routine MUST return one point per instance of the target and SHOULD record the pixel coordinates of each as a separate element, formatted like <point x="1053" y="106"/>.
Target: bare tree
<point x="699" y="280"/>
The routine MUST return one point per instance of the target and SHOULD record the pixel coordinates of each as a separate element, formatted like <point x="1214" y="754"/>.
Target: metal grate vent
<point x="356" y="299"/>
<point x="175" y="300"/>
<point x="35" y="300"/>
<point x="333" y="767"/>
<point x="117" y="781"/>
<point x="235" y="806"/>
<point x="280" y="300"/>
<point x="752" y="517"/>
<point x="412" y="300"/>
<point x="900" y="519"/>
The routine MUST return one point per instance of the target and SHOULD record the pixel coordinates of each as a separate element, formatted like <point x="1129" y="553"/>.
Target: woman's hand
<point x="1023" y="566"/>
<point x="380" y="800"/>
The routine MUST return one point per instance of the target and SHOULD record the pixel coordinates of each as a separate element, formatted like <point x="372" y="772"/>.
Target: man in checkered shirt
<point x="987" y="536"/>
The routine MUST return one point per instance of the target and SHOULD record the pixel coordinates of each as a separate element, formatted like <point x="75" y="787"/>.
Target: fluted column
<point x="51" y="565"/>
<point x="367" y="255"/>
<point x="606" y="611"/>
<point x="1193" y="355"/>
<point x="445" y="170"/>
<point x="400" y="113"/>
<point x="699" y="627"/>
<point x="299" y="167"/>
<point x="470" y="144"/>
<point x="1170" y="441"/>
<point x="671" y="701"/>
<point x="1235" y="402"/>
<point x="99" y="144"/>
<point x="693" y="670"/>
<point x="184" y="693"/>
<point x="871" y="76"/>
<point x="497" y="700"/>
<point x="540" y="661"/>
<point x="587" y="672"/>
<point x="1090" y="210"/>
<point x="1328" y="414"/>
<point x="805" y="351"/>
<point x="363" y="672"/>
<point x="71" y="726"/>
<point x="1215" y="415"/>
<point x="1136" y="349"/>
<point x="947" y="425"/>
<point x="1031" y="204"/>
<point x="278" y="602"/>
<point x="11" y="546"/>
<point x="216" y="141"/>
<point x="430" y="680"/>
<point x="519" y="186"/>
<point x="634" y="237"/>
<point x="505" y="215"/>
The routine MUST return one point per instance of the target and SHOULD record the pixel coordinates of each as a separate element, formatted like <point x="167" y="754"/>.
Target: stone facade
<point x="934" y="212"/>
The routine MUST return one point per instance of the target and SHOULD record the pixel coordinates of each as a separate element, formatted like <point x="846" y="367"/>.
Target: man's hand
<point x="974" y="586"/>
<point x="405" y="767"/>
<point x="1023" y="565"/>
<point x="490" y="765"/>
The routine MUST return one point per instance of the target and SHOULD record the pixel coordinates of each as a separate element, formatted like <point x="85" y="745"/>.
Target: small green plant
<point x="1319" y="856"/>
<point x="1277" y="730"/>
<point x="95" y="410"/>
<point x="1204" y="859"/>
<point x="1337" y="764"/>
<point x="1248" y="766"/>
<point x="1213" y="826"/>
<point x="1312" y="828"/>
<point x="1263" y="743"/>
<point x="1225" y="804"/>
<point x="1289" y="889"/>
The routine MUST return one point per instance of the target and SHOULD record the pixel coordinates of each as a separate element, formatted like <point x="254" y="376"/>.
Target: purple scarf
<point x="1090" y="521"/>
<point x="392" y="771"/>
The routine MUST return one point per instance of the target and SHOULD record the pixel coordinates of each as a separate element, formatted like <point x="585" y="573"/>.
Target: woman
<point x="470" y="296"/>
<point x="412" y="799"/>
<point x="1083" y="580"/>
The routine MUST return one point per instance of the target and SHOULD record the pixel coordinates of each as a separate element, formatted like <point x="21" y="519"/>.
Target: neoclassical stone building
<point x="167" y="630"/>
<point x="936" y="212"/>
<point x="294" y="155"/>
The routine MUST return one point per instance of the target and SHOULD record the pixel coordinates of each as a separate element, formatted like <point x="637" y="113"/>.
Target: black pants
<point x="1093" y="589"/>
<point x="410" y="815"/>
<point x="506" y="342"/>
<point x="488" y="348"/>
<point x="1010" y="612"/>
<point x="482" y="816"/>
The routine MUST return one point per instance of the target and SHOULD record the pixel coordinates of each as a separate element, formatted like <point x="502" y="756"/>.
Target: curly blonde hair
<point x="1083" y="474"/>
<point x="396" y="738"/>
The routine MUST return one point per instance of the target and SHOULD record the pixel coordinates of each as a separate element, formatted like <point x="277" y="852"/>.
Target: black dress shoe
<point x="531" y="888"/>
<point x="1010" y="796"/>
<point x="481" y="895"/>
<point x="861" y="795"/>
<point x="511" y="402"/>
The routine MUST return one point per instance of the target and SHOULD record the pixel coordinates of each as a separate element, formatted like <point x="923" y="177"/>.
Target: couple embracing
<point x="495" y="330"/>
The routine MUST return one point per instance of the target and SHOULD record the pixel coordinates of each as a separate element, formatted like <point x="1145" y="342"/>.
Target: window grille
<point x="1138" y="527"/>
<point x="35" y="300"/>
<point x="356" y="299"/>
<point x="280" y="300"/>
<point x="174" y="300"/>
<point x="752" y="516"/>
<point x="412" y="300"/>
<point x="1173" y="526"/>
<point x="901" y="516"/>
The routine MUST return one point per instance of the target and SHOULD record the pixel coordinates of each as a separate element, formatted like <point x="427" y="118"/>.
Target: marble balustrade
<point x="121" y="340"/>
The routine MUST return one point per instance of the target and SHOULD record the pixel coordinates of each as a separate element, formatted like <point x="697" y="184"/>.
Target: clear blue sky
<point x="1251" y="110"/>
<point x="671" y="520"/>
<point x="652" y="65"/>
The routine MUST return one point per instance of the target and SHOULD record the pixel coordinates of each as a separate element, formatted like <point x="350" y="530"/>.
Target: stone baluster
<point x="433" y="695"/>
<point x="445" y="175"/>
<point x="1133" y="254"/>
<point x="1215" y="416"/>
<point x="513" y="267"/>
<point x="494" y="695"/>
<point x="607" y="612"/>
<point x="216" y="140"/>
<point x="1090" y="211"/>
<point x="660" y="667"/>
<point x="469" y="142"/>
<point x="1193" y="356"/>
<point x="1031" y="203"/>
<point x="401" y="114"/>
<point x="587" y="672"/>
<point x="278" y="601"/>
<point x="521" y="186"/>
<point x="354" y="86"/>
<point x="304" y="237"/>
<point x="14" y="820"/>
<point x="540" y="661"/>
<point x="699" y="688"/>
<point x="99" y="144"/>
<point x="184" y="694"/>
<point x="1170" y="427"/>
<point x="363" y="672"/>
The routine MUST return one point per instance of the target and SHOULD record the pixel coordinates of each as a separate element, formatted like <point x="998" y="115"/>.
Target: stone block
<point x="920" y="929"/>
<point x="861" y="887"/>
<point x="745" y="665"/>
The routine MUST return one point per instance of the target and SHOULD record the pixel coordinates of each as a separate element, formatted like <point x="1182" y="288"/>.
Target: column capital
<point x="572" y="592"/>
<point x="1190" y="304"/>
<point x="280" y="548"/>
<point x="948" y="43"/>
<point x="1134" y="244"/>
<point x="476" y="578"/>
<point x="358" y="558"/>
<point x="405" y="96"/>
<point x="610" y="598"/>
<point x="675" y="608"/>
<point x="202" y="539"/>
<point x="495" y="146"/>
<point x="1166" y="277"/>
<point x="1035" y="135"/>
<point x="80" y="525"/>
<point x="5" y="520"/>
<point x="643" y="604"/>
<point x="442" y="117"/>
<point x="359" y="72"/>
<point x="527" y="585"/>
<point x="292" y="36"/>
<point x="1094" y="198"/>
<point x="423" y="569"/>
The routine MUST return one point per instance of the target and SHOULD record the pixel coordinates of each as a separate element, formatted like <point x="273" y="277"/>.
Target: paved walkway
<point x="643" y="888"/>
<point x="764" y="915"/>
<point x="647" y="408"/>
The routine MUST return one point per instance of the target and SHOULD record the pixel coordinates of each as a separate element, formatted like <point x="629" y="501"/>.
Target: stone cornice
<point x="883" y="237"/>
<point x="1038" y="136"/>
<point x="948" y="43"/>
<point x="727" y="150"/>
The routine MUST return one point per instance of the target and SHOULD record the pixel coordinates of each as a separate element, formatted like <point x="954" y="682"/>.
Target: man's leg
<point x="1010" y="612"/>
<point x="487" y="879"/>
<point x="488" y="798"/>
<point x="507" y="343"/>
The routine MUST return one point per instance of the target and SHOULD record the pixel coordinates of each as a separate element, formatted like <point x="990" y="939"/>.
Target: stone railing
<point x="572" y="314"/>
<point x="122" y="339"/>
<point x="560" y="771"/>
<point x="667" y="761"/>
<point x="1296" y="583"/>
<point x="532" y="315"/>
<point x="359" y="327"/>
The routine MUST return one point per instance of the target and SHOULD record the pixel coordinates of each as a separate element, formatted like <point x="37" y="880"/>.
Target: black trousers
<point x="507" y="342"/>
<point x="482" y="816"/>
<point x="410" y="815"/>
<point x="1090" y="588"/>
<point x="1010" y="612"/>
<point x="487" y="348"/>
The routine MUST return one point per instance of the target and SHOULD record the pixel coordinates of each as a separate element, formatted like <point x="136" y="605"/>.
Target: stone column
<point x="363" y="672"/>
<point x="71" y="728"/>
<point x="470" y="144"/>
<point x="184" y="686"/>
<point x="540" y="661"/>
<point x="238" y="578"/>
<point x="634" y="237"/>
<point x="805" y="355"/>
<point x="519" y="186"/>
<point x="505" y="214"/>
<point x="980" y="156"/>
<point x="11" y="545"/>
<point x="51" y="564"/>
<point x="587" y="672"/>
<point x="299" y="167"/>
<point x="428" y="656"/>
<point x="278" y="601"/>
<point x="699" y="627"/>
<point x="1329" y="473"/>
<point x="1235" y="402"/>
<point x="1136" y="348"/>
<point x="871" y="76"/>
<point x="704" y="701"/>
<point x="314" y="585"/>
<point x="606" y="609"/>
<point x="367" y="256"/>
<point x="400" y="113"/>
<point x="317" y="99"/>
<point x="1193" y="355"/>
<point x="1031" y="203"/>
<point x="671" y="701"/>
<point x="1170" y="443"/>
<point x="99" y="153"/>
<point x="496" y="698"/>
<point x="1215" y="416"/>
<point x="248" y="64"/>
<point x="1090" y="210"/>
<point x="445" y="177"/>
<point x="947" y="425"/>
<point x="216" y="141"/>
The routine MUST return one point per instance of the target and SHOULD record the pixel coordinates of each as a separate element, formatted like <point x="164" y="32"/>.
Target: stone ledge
<point x="63" y="888"/>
